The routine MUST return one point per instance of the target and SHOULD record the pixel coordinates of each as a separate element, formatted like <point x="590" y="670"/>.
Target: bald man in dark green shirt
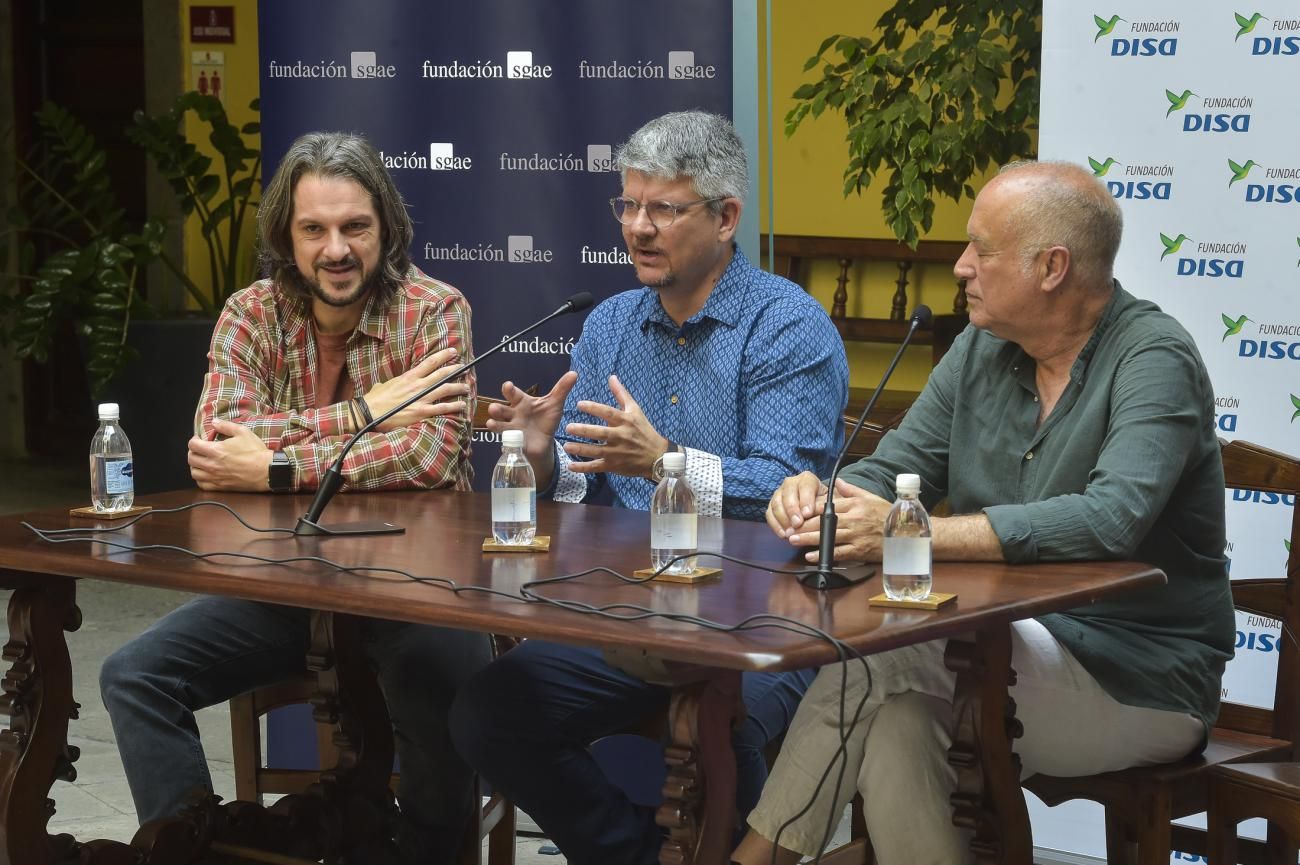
<point x="1071" y="421"/>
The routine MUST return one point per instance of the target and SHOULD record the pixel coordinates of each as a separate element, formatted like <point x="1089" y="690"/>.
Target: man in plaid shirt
<point x="345" y="329"/>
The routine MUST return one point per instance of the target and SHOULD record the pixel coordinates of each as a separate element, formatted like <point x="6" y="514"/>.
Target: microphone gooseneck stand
<point x="826" y="575"/>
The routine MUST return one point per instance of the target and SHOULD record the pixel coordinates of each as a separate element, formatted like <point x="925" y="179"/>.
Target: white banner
<point x="1186" y="110"/>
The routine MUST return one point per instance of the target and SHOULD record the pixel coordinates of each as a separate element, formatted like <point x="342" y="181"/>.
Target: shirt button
<point x="1029" y="456"/>
<point x="674" y="399"/>
<point x="681" y="340"/>
<point x="1035" y="399"/>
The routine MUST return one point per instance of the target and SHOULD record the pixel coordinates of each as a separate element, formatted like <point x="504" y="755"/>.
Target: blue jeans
<point x="212" y="649"/>
<point x="525" y="723"/>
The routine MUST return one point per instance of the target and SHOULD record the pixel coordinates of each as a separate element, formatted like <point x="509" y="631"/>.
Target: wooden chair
<point x="1241" y="791"/>
<point x="495" y="821"/>
<point x="1141" y="803"/>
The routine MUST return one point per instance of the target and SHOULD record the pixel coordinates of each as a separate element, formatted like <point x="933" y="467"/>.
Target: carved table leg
<point x="700" y="761"/>
<point x="37" y="698"/>
<point x="988" y="799"/>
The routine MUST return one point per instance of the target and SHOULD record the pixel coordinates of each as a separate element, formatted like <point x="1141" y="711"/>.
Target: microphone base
<point x="306" y="527"/>
<point x="835" y="578"/>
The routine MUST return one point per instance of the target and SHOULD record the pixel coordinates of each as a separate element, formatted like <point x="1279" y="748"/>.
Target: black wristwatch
<point x="280" y="474"/>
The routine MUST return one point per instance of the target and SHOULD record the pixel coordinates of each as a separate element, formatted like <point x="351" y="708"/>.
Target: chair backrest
<point x="1250" y="467"/>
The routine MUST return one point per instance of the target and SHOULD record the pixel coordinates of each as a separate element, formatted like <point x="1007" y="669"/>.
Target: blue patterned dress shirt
<point x="753" y="386"/>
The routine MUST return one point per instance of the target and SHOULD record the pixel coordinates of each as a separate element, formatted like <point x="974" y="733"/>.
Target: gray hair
<point x="693" y="144"/>
<point x="1068" y="207"/>
<point x="333" y="155"/>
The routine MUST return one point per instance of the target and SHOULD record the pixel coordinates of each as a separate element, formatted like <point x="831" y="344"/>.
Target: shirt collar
<point x="1108" y="316"/>
<point x="725" y="304"/>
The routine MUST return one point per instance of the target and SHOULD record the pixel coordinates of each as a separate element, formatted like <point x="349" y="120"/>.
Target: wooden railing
<point x="794" y="256"/>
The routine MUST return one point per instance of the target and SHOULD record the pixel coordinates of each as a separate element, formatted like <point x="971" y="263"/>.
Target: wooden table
<point x="444" y="533"/>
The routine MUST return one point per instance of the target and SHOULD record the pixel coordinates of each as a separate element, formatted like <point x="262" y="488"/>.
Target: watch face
<point x="657" y="470"/>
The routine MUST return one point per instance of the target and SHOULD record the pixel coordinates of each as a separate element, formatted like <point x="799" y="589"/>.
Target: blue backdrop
<point x="497" y="120"/>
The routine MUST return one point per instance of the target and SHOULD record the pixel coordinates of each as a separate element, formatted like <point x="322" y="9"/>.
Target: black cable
<point x="133" y="520"/>
<point x="527" y="594"/>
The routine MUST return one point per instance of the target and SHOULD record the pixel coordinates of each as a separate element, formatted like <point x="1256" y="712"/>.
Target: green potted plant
<point x="934" y="96"/>
<point x="71" y="254"/>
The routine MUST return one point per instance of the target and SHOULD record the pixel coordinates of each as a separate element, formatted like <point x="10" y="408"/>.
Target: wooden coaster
<point x="540" y="544"/>
<point x="933" y="602"/>
<point x="699" y="575"/>
<point x="89" y="513"/>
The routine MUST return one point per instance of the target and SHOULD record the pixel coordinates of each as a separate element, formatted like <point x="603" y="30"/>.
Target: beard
<point x="367" y="282"/>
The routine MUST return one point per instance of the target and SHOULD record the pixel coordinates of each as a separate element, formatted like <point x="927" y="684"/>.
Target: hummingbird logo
<point x="1171" y="244"/>
<point x="1239" y="172"/>
<point x="1246" y="24"/>
<point x="1295" y="401"/>
<point x="1099" y="169"/>
<point x="1176" y="102"/>
<point x="1104" y="27"/>
<point x="1233" y="326"/>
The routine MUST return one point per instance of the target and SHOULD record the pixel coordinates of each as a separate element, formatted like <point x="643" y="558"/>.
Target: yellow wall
<point x="240" y="86"/>
<point x="808" y="181"/>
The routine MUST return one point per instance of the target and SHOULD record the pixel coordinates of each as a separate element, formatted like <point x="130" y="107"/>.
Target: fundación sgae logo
<point x="1139" y="37"/>
<point x="361" y="64"/>
<point x="1276" y="37"/>
<point x="1262" y="341"/>
<point x="518" y="249"/>
<point x="1265" y="193"/>
<point x="1216" y="259"/>
<point x="1135" y="181"/>
<point x="680" y="66"/>
<point x="1209" y="113"/>
<point x="518" y="65"/>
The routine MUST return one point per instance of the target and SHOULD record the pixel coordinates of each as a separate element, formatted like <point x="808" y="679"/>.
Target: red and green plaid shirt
<point x="262" y="369"/>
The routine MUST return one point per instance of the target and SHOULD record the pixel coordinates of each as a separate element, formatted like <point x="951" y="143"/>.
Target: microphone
<point x="826" y="575"/>
<point x="309" y="523"/>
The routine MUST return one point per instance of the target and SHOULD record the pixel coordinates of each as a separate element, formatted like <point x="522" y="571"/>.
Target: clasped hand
<point x="796" y="507"/>
<point x="442" y="400"/>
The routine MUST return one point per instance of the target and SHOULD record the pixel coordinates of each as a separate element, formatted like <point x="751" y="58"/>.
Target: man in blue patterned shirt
<point x="740" y="369"/>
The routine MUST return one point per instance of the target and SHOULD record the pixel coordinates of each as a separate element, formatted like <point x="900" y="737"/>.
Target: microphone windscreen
<point x="922" y="316"/>
<point x="580" y="301"/>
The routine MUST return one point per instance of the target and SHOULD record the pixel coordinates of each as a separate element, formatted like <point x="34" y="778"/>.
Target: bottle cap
<point x="512" y="438"/>
<point x="108" y="411"/>
<point x="674" y="461"/>
<point x="908" y="484"/>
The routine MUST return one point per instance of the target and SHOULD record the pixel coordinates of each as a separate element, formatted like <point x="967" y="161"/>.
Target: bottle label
<point x="119" y="477"/>
<point x="673" y="531"/>
<point x="514" y="504"/>
<point x="907" y="556"/>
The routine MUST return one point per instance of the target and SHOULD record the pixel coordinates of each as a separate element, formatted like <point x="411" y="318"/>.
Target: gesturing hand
<point x="626" y="445"/>
<point x="387" y="395"/>
<point x="537" y="416"/>
<point x="238" y="463"/>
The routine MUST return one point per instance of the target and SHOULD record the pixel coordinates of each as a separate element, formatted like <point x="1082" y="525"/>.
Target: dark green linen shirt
<point x="1126" y="466"/>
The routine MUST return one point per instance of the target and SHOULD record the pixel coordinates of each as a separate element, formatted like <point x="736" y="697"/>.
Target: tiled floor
<point x="98" y="804"/>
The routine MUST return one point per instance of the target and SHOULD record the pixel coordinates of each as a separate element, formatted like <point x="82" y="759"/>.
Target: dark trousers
<point x="212" y="649"/>
<point x="525" y="723"/>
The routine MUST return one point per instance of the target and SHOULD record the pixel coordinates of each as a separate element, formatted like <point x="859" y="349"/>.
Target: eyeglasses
<point x="661" y="213"/>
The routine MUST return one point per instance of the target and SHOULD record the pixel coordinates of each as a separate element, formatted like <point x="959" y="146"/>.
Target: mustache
<point x="349" y="260"/>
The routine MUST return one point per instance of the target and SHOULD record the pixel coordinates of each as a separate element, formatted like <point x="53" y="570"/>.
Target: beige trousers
<point x="897" y="752"/>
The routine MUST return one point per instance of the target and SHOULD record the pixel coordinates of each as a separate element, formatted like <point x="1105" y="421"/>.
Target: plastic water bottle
<point x="673" y="519"/>
<point x="514" y="493"/>
<point x="908" y="556"/>
<point x="112" y="473"/>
